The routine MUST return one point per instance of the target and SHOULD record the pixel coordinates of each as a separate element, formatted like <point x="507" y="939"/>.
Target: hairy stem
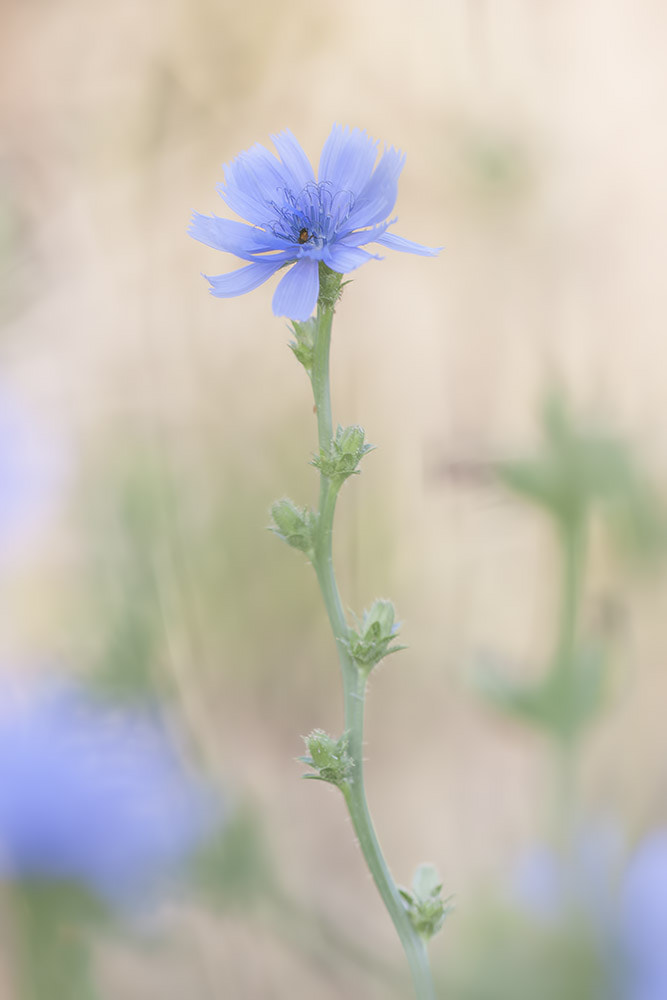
<point x="354" y="682"/>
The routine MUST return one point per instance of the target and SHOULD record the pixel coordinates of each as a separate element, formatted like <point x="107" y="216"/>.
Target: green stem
<point x="354" y="682"/>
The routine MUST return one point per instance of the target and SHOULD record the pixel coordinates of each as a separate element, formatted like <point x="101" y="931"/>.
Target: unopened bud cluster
<point x="295" y="525"/>
<point x="329" y="757"/>
<point x="371" y="641"/>
<point x="425" y="906"/>
<point x="345" y="452"/>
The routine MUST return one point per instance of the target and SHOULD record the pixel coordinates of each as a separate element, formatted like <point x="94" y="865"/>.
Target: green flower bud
<point x="350" y="439"/>
<point x="329" y="757"/>
<point x="303" y="346"/>
<point x="295" y="525"/>
<point x="343" y="455"/>
<point x="426" y="908"/>
<point x="371" y="641"/>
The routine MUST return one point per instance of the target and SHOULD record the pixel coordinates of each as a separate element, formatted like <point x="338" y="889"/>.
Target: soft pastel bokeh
<point x="146" y="427"/>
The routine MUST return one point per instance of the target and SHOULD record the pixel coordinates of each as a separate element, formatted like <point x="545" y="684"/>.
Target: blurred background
<point x="146" y="427"/>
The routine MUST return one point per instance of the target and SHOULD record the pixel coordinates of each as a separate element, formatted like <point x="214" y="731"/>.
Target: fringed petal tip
<point x="393" y="242"/>
<point x="243" y="280"/>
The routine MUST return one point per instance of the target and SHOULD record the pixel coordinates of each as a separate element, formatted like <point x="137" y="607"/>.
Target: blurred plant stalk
<point x="580" y="475"/>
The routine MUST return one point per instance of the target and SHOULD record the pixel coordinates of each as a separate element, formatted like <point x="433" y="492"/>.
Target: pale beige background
<point x="537" y="155"/>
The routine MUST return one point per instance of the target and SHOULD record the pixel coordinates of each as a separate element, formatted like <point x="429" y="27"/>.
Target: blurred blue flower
<point x="547" y="885"/>
<point x="626" y="909"/>
<point x="643" y="921"/>
<point x="298" y="219"/>
<point x="92" y="794"/>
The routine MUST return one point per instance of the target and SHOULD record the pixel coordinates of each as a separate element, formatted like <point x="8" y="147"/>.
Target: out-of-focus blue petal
<point x="643" y="920"/>
<point x="347" y="160"/>
<point x="294" y="159"/>
<point x="296" y="295"/>
<point x="343" y="259"/>
<point x="93" y="794"/>
<point x="537" y="883"/>
<point x="225" y="286"/>
<point x="407" y="246"/>
<point x="232" y="237"/>
<point x="379" y="195"/>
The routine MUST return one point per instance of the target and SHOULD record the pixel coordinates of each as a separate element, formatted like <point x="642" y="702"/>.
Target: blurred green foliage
<point x="583" y="471"/>
<point x="504" y="954"/>
<point x="581" y="474"/>
<point x="54" y="923"/>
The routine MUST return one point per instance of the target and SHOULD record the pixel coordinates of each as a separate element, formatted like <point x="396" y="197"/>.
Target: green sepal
<point x="425" y="906"/>
<point x="343" y="455"/>
<point x="331" y="287"/>
<point x="295" y="525"/>
<point x="371" y="641"/>
<point x="329" y="757"/>
<point x="304" y="344"/>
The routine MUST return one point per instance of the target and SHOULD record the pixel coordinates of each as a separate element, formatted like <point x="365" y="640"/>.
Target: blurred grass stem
<point x="572" y="537"/>
<point x="53" y="953"/>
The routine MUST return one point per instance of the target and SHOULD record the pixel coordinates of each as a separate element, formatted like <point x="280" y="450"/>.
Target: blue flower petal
<point x="232" y="237"/>
<point x="296" y="295"/>
<point x="407" y="246"/>
<point x="644" y="917"/>
<point x="347" y="160"/>
<point x="343" y="259"/>
<point x="294" y="160"/>
<point x="224" y="286"/>
<point x="363" y="236"/>
<point x="379" y="195"/>
<point x="254" y="180"/>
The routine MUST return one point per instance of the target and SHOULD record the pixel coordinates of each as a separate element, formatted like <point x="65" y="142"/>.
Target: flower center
<point x="313" y="217"/>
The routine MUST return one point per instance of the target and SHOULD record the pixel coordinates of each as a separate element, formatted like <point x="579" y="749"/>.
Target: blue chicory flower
<point x="298" y="219"/>
<point x="93" y="794"/>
